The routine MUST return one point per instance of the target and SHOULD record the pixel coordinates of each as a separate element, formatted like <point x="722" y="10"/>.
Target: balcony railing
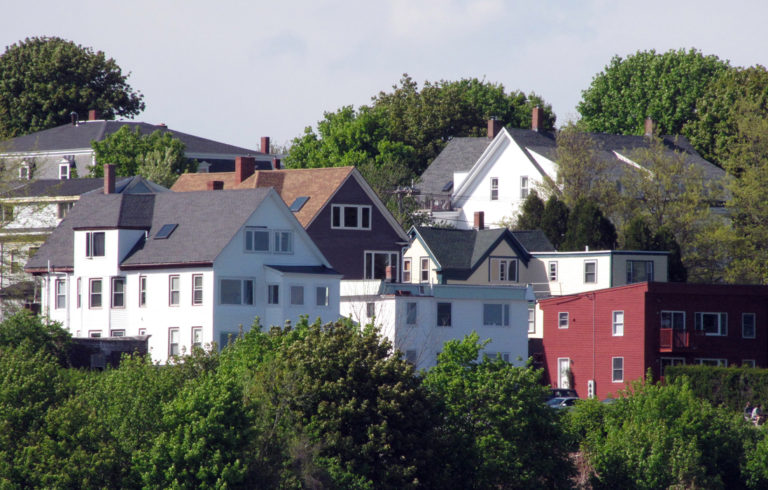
<point x="671" y="339"/>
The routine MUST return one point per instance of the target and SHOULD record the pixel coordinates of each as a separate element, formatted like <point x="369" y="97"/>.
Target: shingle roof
<point x="77" y="187"/>
<point x="206" y="222"/>
<point x="319" y="184"/>
<point x="73" y="137"/>
<point x="459" y="252"/>
<point x="459" y="155"/>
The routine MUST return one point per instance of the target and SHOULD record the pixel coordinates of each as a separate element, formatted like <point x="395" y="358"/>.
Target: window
<point x="197" y="289"/>
<point x="117" y="333"/>
<point x="376" y="264"/>
<point x="673" y="319"/>
<point x="495" y="315"/>
<point x="370" y="310"/>
<point x="118" y="292"/>
<point x="712" y="362"/>
<point x="256" y="240"/>
<point x="7" y="210"/>
<point x="531" y="320"/>
<point x="236" y="292"/>
<point x="406" y="270"/>
<point x="61" y="293"/>
<point x="283" y="242"/>
<point x="411" y="356"/>
<point x="503" y="270"/>
<point x="424" y="277"/>
<point x="351" y="217"/>
<point x="494" y="189"/>
<point x="174" y="290"/>
<point x="618" y="369"/>
<point x="321" y="296"/>
<point x="25" y="171"/>
<point x="273" y="294"/>
<point x="444" y="314"/>
<point x="197" y="337"/>
<point x="618" y="323"/>
<point x="639" y="271"/>
<point x="712" y="323"/>
<point x="671" y="361"/>
<point x="523" y="187"/>
<point x="748" y="325"/>
<point x="173" y="341"/>
<point x="79" y="297"/>
<point x="64" y="171"/>
<point x="142" y="331"/>
<point x="297" y="295"/>
<point x="94" y="246"/>
<point x="552" y="270"/>
<point x="410" y="313"/>
<point x="63" y="209"/>
<point x="95" y="293"/>
<point x="94" y="334"/>
<point x="590" y="271"/>
<point x="492" y="356"/>
<point x="748" y="363"/>
<point x="562" y="320"/>
<point x="142" y="291"/>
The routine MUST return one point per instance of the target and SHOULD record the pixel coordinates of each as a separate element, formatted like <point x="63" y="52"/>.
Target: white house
<point x="186" y="269"/>
<point x="419" y="319"/>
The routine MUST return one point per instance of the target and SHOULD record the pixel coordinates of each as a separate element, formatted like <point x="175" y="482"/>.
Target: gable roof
<point x="459" y="252"/>
<point x="459" y="155"/>
<point x="206" y="222"/>
<point x="43" y="188"/>
<point x="79" y="137"/>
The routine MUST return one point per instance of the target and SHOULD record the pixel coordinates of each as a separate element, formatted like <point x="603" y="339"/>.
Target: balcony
<point x="671" y="340"/>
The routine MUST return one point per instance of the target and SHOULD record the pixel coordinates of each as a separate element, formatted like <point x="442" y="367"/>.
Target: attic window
<point x="25" y="171"/>
<point x="165" y="231"/>
<point x="298" y="203"/>
<point x="448" y="186"/>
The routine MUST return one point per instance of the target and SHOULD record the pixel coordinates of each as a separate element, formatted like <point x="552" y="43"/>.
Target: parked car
<point x="563" y="393"/>
<point x="562" y="401"/>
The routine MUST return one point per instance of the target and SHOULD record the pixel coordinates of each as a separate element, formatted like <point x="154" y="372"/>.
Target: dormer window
<point x="94" y="244"/>
<point x="25" y="171"/>
<point x="64" y="167"/>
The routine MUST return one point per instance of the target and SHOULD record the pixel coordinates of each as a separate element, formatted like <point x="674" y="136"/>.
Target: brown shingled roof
<point x="318" y="184"/>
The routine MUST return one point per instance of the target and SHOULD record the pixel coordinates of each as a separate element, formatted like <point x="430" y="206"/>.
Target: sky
<point x="235" y="71"/>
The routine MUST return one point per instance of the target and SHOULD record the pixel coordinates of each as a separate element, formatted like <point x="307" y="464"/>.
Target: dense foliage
<point x="44" y="79"/>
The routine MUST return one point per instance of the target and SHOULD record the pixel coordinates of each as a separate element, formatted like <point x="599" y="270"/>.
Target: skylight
<point x="165" y="231"/>
<point x="448" y="186"/>
<point x="298" y="203"/>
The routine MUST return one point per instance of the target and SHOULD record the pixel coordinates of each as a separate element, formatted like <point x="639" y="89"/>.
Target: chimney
<point x="214" y="185"/>
<point x="650" y="126"/>
<point x="537" y="119"/>
<point x="109" y="179"/>
<point x="93" y="115"/>
<point x="479" y="220"/>
<point x="389" y="273"/>
<point x="494" y="127"/>
<point x="73" y="118"/>
<point x="265" y="144"/>
<point x="275" y="163"/>
<point x="244" y="168"/>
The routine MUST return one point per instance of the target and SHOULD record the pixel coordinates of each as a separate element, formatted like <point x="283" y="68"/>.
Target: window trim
<point x="326" y="292"/>
<point x="142" y="291"/>
<point x="721" y="361"/>
<point x="79" y="296"/>
<point x="614" y="369"/>
<point x="243" y="289"/>
<point x="273" y="299"/>
<point x="560" y="319"/>
<point x="594" y="273"/>
<point x="649" y="271"/>
<point x="113" y="281"/>
<point x="754" y="325"/>
<point x="250" y="231"/>
<point x="370" y="309"/>
<point x="407" y="270"/>
<point x="197" y="289"/>
<point x="500" y="266"/>
<point x="67" y="167"/>
<point x="422" y="270"/>
<point x="90" y="244"/>
<point x="342" y="224"/>
<point x="171" y="332"/>
<point x="673" y="314"/>
<point x="504" y="314"/>
<point x="531" y="319"/>
<point x="171" y="290"/>
<point x="494" y="188"/>
<point x="617" y="329"/>
<point x="722" y="328"/>
<point x="91" y="293"/>
<point x="291" y="299"/>
<point x="450" y="314"/>
<point x="117" y="332"/>
<point x="552" y="270"/>
<point x="60" y="296"/>
<point x="525" y="186"/>
<point x="278" y="241"/>
<point x="192" y="337"/>
<point x="369" y="263"/>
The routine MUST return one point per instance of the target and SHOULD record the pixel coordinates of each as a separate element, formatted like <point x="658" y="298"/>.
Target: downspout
<point x="594" y="337"/>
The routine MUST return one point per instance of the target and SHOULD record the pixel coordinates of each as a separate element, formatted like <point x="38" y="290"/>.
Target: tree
<point x="554" y="220"/>
<point x="531" y="213"/>
<point x="44" y="79"/>
<point x="588" y="227"/>
<point x="155" y="155"/>
<point x="637" y="235"/>
<point x="662" y="86"/>
<point x="24" y="327"/>
<point x="506" y="436"/>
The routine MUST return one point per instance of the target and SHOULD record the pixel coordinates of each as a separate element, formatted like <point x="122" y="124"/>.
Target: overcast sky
<point x="234" y="71"/>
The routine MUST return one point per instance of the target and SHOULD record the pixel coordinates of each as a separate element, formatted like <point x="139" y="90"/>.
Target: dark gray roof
<point x="304" y="269"/>
<point x="74" y="137"/>
<point x="206" y="222"/>
<point x="77" y="187"/>
<point x="534" y="241"/>
<point x="459" y="252"/>
<point x="459" y="155"/>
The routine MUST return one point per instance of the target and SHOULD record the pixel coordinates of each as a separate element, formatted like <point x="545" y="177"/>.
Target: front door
<point x="564" y="373"/>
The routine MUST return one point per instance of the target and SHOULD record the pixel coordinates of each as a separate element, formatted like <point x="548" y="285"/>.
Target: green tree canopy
<point x="588" y="227"/>
<point x="44" y="79"/>
<point x="554" y="220"/>
<point x="531" y="212"/>
<point x="637" y="235"/>
<point x="157" y="155"/>
<point x="662" y="86"/>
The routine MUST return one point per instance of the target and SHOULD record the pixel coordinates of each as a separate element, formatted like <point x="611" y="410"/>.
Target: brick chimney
<point x="109" y="179"/>
<point x="244" y="168"/>
<point x="93" y="115"/>
<point x="479" y="220"/>
<point x="275" y="163"/>
<point x="265" y="144"/>
<point x="650" y="126"/>
<point x="494" y="127"/>
<point x="537" y="119"/>
<point x="214" y="185"/>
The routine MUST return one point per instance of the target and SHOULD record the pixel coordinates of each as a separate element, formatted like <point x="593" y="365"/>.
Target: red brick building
<point x="596" y="342"/>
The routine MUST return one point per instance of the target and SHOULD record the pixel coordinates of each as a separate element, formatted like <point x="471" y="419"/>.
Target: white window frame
<point x="339" y="222"/>
<point x="79" y="294"/>
<point x="424" y="271"/>
<point x="95" y="294"/>
<point x="297" y="295"/>
<point x="118" y="332"/>
<point x="369" y="263"/>
<point x="91" y="242"/>
<point x="494" y="188"/>
<point x="174" y="341"/>
<point x="617" y="369"/>
<point x="504" y="269"/>
<point x="617" y="322"/>
<point x="196" y="338"/>
<point x="283" y="241"/>
<point x="406" y="269"/>
<point x="273" y="294"/>
<point x="61" y="294"/>
<point x="649" y="273"/>
<point x="25" y="171"/>
<point x="65" y="175"/>
<point x="321" y="295"/>
<point x="249" y="242"/>
<point x="748" y="363"/>
<point x="744" y="316"/>
<point x="524" y="186"/>
<point x="246" y="292"/>
<point x="488" y="314"/>
<point x="142" y="291"/>
<point x="563" y="370"/>
<point x="174" y="290"/>
<point x="197" y="289"/>
<point x="593" y="273"/>
<point x="552" y="270"/>
<point x="673" y="314"/>
<point x="114" y="303"/>
<point x="531" y="319"/>
<point x="563" y="319"/>
<point x="712" y="361"/>
<point x="722" y="323"/>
